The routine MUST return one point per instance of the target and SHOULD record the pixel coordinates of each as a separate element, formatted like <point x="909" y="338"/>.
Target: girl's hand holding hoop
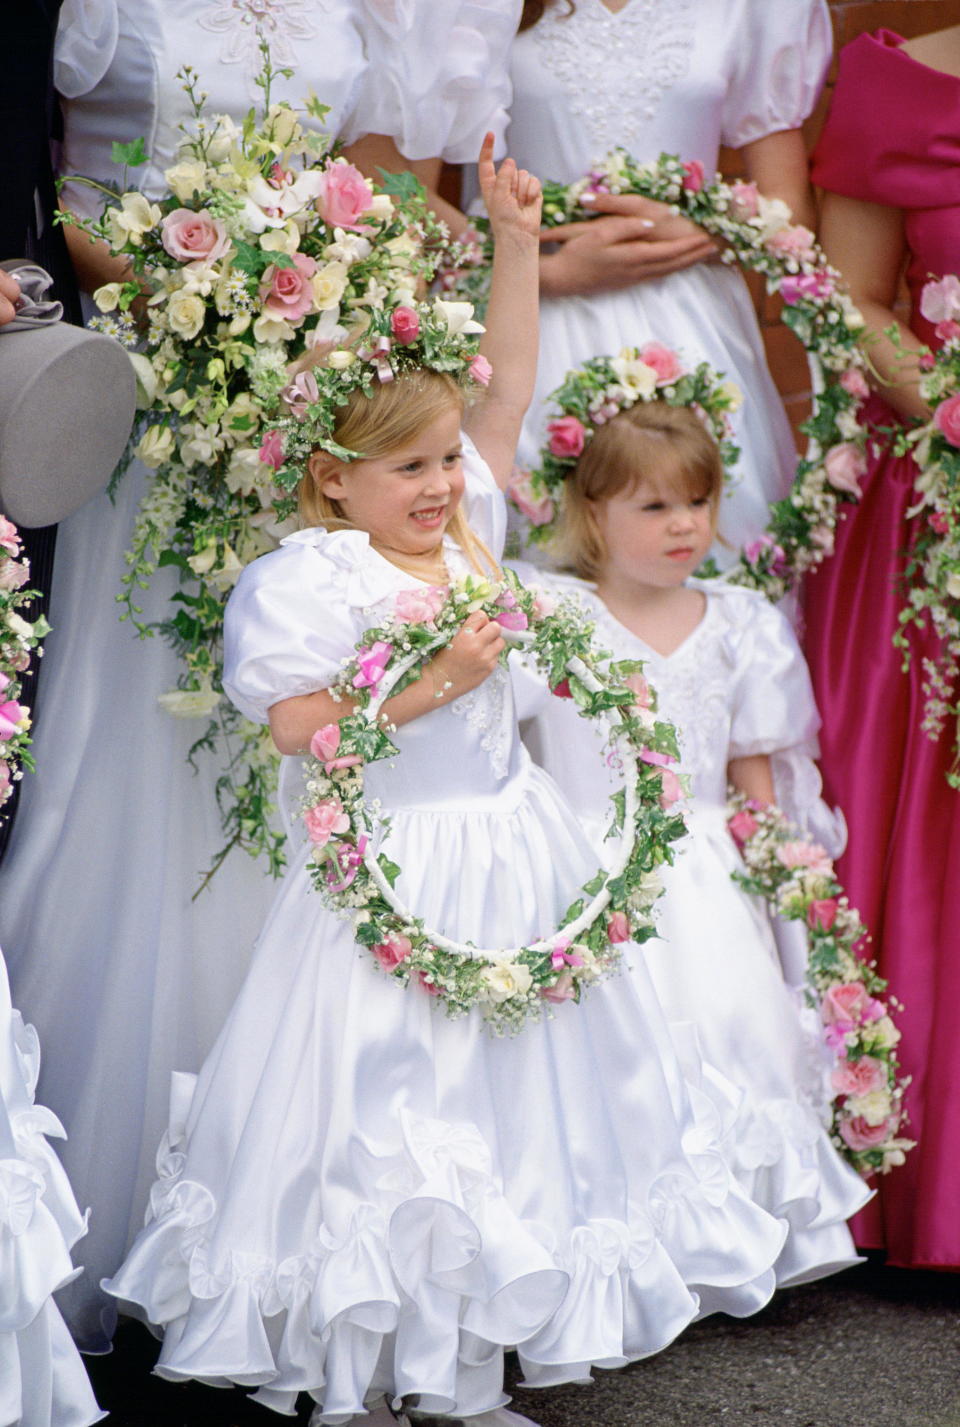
<point x="470" y="657"/>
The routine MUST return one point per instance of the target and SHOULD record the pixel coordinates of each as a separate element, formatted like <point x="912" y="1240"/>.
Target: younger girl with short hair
<point x="639" y="482"/>
<point x="360" y="1198"/>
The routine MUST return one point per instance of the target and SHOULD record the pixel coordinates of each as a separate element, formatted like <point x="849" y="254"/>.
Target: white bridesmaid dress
<point x="682" y="77"/>
<point x="124" y="975"/>
<point x="736" y="687"/>
<point x="359" y="1195"/>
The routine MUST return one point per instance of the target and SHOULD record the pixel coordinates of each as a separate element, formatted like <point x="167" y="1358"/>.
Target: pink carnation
<point x="946" y="419"/>
<point x="859" y="1134"/>
<point x="480" y="370"/>
<point x="664" y="362"/>
<point x="287" y="291"/>
<point x="693" y="176"/>
<point x="193" y="237"/>
<point x="421" y="606"/>
<point x="9" y="536"/>
<point x="405" y="325"/>
<point x="854" y="382"/>
<point x="618" y="928"/>
<point x="859" y="1077"/>
<point x="796" y="242"/>
<point x="846" y="464"/>
<point x="567" y="436"/>
<point x="344" y="196"/>
<point x="392" y="950"/>
<point x="539" y="510"/>
<point x="324" y="820"/>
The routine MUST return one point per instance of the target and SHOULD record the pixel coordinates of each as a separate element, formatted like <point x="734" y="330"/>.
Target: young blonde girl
<point x="361" y="1199"/>
<point x="639" y="515"/>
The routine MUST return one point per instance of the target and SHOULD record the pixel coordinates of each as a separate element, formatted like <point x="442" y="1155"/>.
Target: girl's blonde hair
<point x="389" y="418"/>
<point x="667" y="445"/>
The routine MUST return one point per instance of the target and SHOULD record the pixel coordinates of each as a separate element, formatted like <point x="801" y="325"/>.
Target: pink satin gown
<point x="893" y="137"/>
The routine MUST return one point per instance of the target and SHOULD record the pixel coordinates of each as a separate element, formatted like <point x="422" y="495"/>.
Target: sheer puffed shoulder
<point x="436" y="78"/>
<point x="483" y="501"/>
<point x="784" y="56"/>
<point x="85" y="45"/>
<point x="295" y="615"/>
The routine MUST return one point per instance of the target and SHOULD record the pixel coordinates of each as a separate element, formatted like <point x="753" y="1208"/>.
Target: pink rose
<point x="193" y="237"/>
<point x="344" y="196"/>
<point x="822" y="914"/>
<point x="563" y="989"/>
<point x="854" y="382"/>
<point x="567" y="436"/>
<point x="539" y="510"/>
<point x="670" y="790"/>
<point x="849" y="1004"/>
<point x="287" y="291"/>
<point x="860" y="1077"/>
<point x="946" y="418"/>
<point x="9" y="536"/>
<point x="805" y="854"/>
<point x="664" y="362"/>
<point x="371" y="665"/>
<point x="693" y="176"/>
<point x="394" y="949"/>
<point x="742" y="827"/>
<point x="421" y="606"/>
<point x="860" y="1135"/>
<point x="13" y="574"/>
<point x="325" y="819"/>
<point x="511" y="616"/>
<point x="480" y="370"/>
<point x="10" y="715"/>
<point x="845" y="465"/>
<point x="745" y="200"/>
<point x="562" y="690"/>
<point x="324" y="745"/>
<point x="271" y="450"/>
<point x="618" y="928"/>
<point x="795" y="242"/>
<point x="405" y="325"/>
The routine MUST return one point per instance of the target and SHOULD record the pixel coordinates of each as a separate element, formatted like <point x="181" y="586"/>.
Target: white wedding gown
<point x="42" y="1380"/>
<point x="360" y="1195"/>
<point x="125" y="977"/>
<point x="736" y="687"/>
<point x="684" y="77"/>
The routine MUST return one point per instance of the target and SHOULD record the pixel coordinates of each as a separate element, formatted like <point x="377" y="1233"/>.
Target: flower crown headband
<point x="597" y="391"/>
<point x="438" y="336"/>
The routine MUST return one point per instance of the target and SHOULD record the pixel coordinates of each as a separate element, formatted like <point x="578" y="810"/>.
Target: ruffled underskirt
<point x="42" y="1380"/>
<point x="360" y="1195"/>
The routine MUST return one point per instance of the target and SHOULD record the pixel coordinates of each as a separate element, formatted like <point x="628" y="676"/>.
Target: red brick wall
<point x="850" y="18"/>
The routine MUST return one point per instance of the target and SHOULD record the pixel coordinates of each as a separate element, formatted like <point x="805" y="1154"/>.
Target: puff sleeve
<point x="484" y="504"/>
<point x="782" y="57"/>
<point x="288" y="625"/>
<point x="85" y="44"/>
<point x="437" y="75"/>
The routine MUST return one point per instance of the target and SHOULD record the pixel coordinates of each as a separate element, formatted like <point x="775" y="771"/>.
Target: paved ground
<point x="873" y="1347"/>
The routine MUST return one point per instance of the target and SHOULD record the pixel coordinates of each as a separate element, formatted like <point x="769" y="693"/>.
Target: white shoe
<point x="378" y="1416"/>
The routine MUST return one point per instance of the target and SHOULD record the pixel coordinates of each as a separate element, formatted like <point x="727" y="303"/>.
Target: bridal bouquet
<point x="19" y="637"/>
<point x="266" y="244"/>
<point x="933" y="567"/>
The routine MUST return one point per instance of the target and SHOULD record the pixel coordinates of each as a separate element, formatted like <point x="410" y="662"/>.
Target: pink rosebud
<point x="193" y="237"/>
<point x="10" y="715"/>
<point x="664" y="362"/>
<point x="271" y="450"/>
<point x="405" y="325"/>
<point x="428" y="986"/>
<point x="796" y="242"/>
<point x="344" y="196"/>
<point x="926" y="361"/>
<point x="324" y="745"/>
<point x="567" y="437"/>
<point x="744" y="200"/>
<point x="854" y="382"/>
<point x="325" y="819"/>
<point x="618" y="928"/>
<point x="846" y="464"/>
<point x="946" y="419"/>
<point x="948" y="331"/>
<point x="766" y="549"/>
<point x="859" y="1134"/>
<point x="693" y="176"/>
<point x="371" y="665"/>
<point x="822" y="914"/>
<point x="938" y="522"/>
<point x="393" y="950"/>
<point x="671" y="791"/>
<point x="860" y="1077"/>
<point x="287" y="291"/>
<point x="641" y="690"/>
<point x="480" y="370"/>
<point x="421" y="606"/>
<point x="742" y="827"/>
<point x="511" y="616"/>
<point x="563" y="989"/>
<point x="539" y="510"/>
<point x="9" y="536"/>
<point x="562" y="690"/>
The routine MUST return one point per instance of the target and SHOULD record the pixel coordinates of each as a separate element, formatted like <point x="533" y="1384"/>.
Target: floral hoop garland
<point x="509" y="985"/>
<point x="266" y="244"/>
<point x="760" y="236"/>
<point x="798" y="880"/>
<point x="19" y="638"/>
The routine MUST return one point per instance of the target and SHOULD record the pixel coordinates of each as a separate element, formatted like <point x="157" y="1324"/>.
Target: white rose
<point x="636" y="378"/>
<point x="328" y="285"/>
<point x="381" y="208"/>
<point x="134" y="217"/>
<point x="883" y="1034"/>
<point x="108" y="296"/>
<point x="185" y="314"/>
<point x="155" y="446"/>
<point x="342" y="359"/>
<point x="190" y="703"/>
<point x="874" y="1107"/>
<point x="456" y="316"/>
<point x="187" y="177"/>
<point x="505" y="979"/>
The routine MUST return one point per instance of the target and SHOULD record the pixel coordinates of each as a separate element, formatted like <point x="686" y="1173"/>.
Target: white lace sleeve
<point x="85" y="44"/>
<point x="784" y="55"/>
<point x="436" y="78"/>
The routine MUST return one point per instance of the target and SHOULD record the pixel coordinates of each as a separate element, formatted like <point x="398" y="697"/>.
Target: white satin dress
<point x="359" y="1195"/>
<point x="126" y="977"/>
<point x="736" y="687"/>
<point x="684" y="77"/>
<point x="42" y="1379"/>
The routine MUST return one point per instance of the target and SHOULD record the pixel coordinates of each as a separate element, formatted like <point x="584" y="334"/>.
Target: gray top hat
<point x="67" y="400"/>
